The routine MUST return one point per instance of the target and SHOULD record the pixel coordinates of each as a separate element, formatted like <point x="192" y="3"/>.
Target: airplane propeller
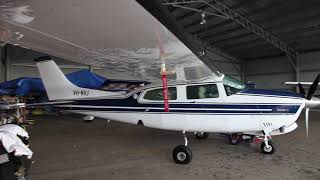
<point x="313" y="87"/>
<point x="301" y="90"/>
<point x="309" y="96"/>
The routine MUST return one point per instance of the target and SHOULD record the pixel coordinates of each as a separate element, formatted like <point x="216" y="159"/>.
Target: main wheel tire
<point x="270" y="150"/>
<point x="202" y="135"/>
<point x="234" y="139"/>
<point x="182" y="154"/>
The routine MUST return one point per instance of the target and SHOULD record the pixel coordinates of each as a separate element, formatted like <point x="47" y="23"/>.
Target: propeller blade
<point x="301" y="90"/>
<point x="307" y="124"/>
<point x="313" y="87"/>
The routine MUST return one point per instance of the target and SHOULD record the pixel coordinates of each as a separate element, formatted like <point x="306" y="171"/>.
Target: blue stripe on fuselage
<point x="131" y="105"/>
<point x="290" y="110"/>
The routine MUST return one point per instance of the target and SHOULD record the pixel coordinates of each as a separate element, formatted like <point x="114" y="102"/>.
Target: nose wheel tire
<point x="182" y="154"/>
<point x="268" y="150"/>
<point x="201" y="135"/>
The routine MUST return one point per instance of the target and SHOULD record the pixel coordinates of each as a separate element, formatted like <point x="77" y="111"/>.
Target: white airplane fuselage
<point x="248" y="113"/>
<point x="213" y="105"/>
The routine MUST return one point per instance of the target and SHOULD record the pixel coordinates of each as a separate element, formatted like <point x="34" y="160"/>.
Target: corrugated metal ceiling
<point x="295" y="22"/>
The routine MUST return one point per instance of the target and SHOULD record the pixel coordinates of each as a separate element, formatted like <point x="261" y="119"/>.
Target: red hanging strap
<point x="165" y="91"/>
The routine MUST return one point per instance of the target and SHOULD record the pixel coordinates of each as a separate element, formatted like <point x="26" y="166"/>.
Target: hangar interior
<point x="267" y="42"/>
<point x="231" y="47"/>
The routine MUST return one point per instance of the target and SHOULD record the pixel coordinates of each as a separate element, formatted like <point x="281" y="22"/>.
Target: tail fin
<point x="58" y="87"/>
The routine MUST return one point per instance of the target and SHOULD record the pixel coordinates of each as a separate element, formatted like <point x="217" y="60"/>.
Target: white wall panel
<point x="271" y="73"/>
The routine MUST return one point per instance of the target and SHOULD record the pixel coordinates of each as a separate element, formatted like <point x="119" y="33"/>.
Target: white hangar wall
<point x="272" y="72"/>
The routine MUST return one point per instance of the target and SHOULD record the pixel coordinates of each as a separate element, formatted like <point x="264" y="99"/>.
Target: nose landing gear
<point x="270" y="149"/>
<point x="266" y="147"/>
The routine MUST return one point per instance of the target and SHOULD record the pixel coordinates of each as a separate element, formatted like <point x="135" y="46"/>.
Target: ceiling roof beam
<point x="278" y="23"/>
<point x="204" y="7"/>
<point x="252" y="27"/>
<point x="256" y="11"/>
<point x="239" y="6"/>
<point x="156" y="8"/>
<point x="250" y="40"/>
<point x="299" y="43"/>
<point x="262" y="18"/>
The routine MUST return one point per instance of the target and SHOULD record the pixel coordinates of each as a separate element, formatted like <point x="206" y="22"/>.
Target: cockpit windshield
<point x="232" y="85"/>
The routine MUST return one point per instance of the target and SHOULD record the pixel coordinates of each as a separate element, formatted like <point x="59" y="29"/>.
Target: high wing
<point x="119" y="36"/>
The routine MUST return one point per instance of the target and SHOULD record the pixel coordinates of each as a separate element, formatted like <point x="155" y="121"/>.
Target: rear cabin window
<point x="202" y="91"/>
<point x="157" y="94"/>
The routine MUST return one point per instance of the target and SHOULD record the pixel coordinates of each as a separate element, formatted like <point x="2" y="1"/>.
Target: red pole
<point x="165" y="88"/>
<point x="163" y="73"/>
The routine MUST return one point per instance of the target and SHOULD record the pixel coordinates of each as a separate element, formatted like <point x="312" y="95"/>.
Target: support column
<point x="2" y="64"/>
<point x="297" y="72"/>
<point x="90" y="68"/>
<point x="7" y="62"/>
<point x="242" y="72"/>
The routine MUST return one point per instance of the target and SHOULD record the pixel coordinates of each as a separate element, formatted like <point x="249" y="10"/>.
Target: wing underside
<point x="118" y="36"/>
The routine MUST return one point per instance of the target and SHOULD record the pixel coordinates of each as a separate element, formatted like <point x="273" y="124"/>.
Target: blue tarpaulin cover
<point x="86" y="79"/>
<point x="3" y="91"/>
<point x="26" y="85"/>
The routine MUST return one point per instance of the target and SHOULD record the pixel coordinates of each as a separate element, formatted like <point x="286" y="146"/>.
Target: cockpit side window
<point x="202" y="91"/>
<point x="157" y="95"/>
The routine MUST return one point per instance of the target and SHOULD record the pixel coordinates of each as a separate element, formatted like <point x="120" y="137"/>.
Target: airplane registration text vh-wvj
<point x="220" y="104"/>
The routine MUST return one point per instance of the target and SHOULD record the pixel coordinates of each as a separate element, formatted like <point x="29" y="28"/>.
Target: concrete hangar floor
<point x="66" y="148"/>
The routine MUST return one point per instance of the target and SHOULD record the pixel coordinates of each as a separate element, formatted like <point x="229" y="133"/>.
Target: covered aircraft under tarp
<point x="83" y="78"/>
<point x="118" y="36"/>
<point x="22" y="86"/>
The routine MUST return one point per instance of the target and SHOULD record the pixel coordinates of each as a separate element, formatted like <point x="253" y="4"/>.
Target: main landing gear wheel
<point x="234" y="138"/>
<point x="182" y="154"/>
<point x="201" y="135"/>
<point x="268" y="150"/>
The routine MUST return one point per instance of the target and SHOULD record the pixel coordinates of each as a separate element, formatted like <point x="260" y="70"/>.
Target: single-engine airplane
<point x="220" y="104"/>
